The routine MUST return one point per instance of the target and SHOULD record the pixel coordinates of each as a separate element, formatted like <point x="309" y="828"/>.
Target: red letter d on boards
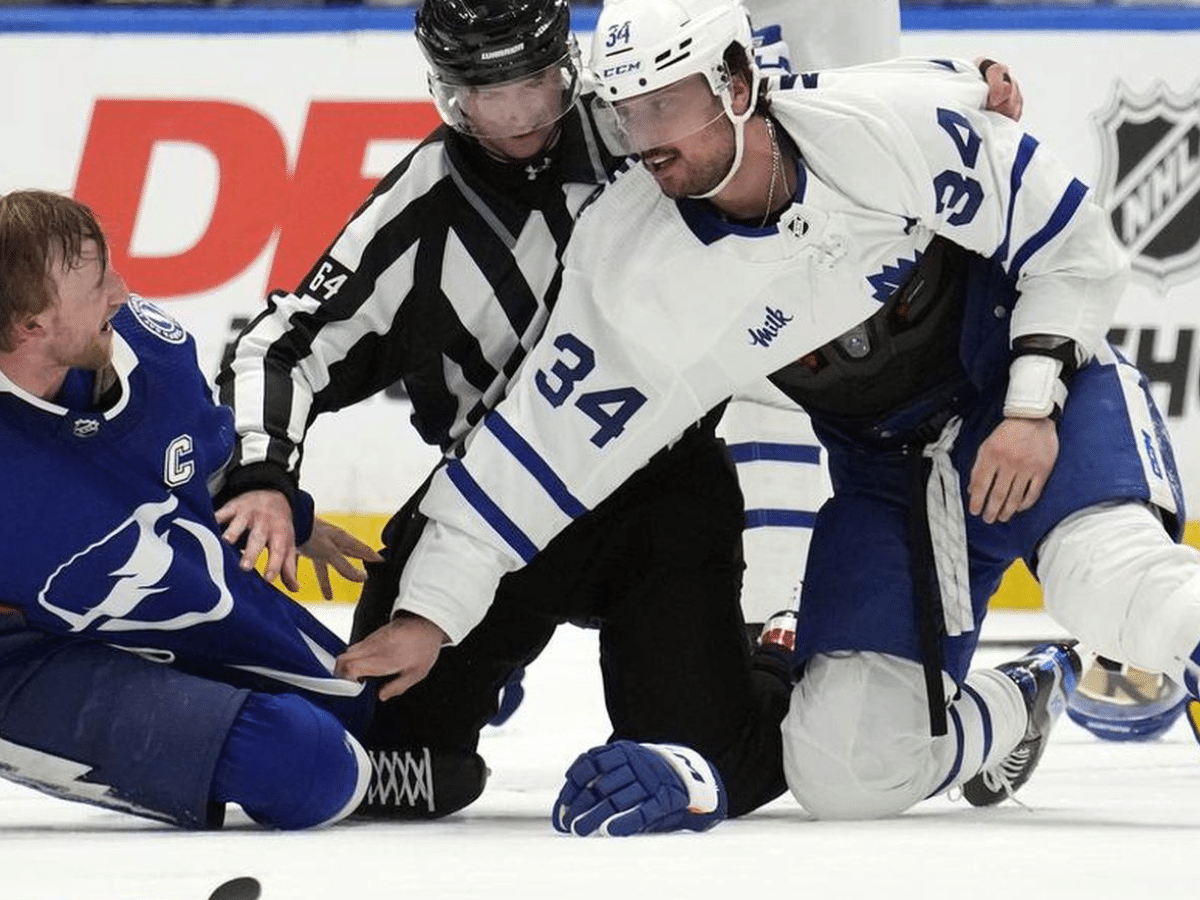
<point x="329" y="183"/>
<point x="253" y="186"/>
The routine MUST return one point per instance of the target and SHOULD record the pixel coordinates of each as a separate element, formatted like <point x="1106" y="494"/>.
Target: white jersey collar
<point x="124" y="361"/>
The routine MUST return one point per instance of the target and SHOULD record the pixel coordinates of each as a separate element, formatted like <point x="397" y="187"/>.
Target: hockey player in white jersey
<point x="779" y="461"/>
<point x="935" y="287"/>
<point x="443" y="279"/>
<point x="778" y="458"/>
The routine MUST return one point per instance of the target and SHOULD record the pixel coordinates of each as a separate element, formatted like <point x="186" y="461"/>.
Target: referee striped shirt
<point x="443" y="279"/>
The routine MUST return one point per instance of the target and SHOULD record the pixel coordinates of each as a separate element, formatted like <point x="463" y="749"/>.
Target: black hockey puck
<point x="244" y="888"/>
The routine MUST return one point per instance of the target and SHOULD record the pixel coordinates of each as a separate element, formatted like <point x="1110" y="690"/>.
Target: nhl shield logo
<point x="1150" y="180"/>
<point x="85" y="428"/>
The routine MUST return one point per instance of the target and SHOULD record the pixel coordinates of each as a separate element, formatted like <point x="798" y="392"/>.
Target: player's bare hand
<point x="264" y="517"/>
<point x="405" y="648"/>
<point x="331" y="545"/>
<point x="1004" y="94"/>
<point x="1012" y="467"/>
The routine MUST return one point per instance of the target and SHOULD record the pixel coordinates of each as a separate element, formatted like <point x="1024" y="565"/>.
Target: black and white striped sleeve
<point x="436" y="281"/>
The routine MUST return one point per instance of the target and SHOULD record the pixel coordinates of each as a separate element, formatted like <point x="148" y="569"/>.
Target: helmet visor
<point x="509" y="108"/>
<point x="660" y="117"/>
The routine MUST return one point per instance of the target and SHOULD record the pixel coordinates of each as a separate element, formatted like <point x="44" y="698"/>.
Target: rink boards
<point x="224" y="149"/>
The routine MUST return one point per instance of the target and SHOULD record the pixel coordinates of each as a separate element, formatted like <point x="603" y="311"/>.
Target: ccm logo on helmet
<point x="622" y="69"/>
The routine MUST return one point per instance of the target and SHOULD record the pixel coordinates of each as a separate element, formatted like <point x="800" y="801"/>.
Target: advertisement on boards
<point x="223" y="163"/>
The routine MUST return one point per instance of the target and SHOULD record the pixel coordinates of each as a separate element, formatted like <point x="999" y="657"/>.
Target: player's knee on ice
<point x="857" y="742"/>
<point x="290" y="764"/>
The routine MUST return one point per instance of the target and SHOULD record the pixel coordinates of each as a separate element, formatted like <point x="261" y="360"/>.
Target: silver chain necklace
<point x="776" y="168"/>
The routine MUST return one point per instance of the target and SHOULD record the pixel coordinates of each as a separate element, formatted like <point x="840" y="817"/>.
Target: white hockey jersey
<point x="666" y="309"/>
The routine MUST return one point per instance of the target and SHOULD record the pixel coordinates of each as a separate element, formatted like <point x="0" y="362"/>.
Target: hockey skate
<point x="421" y="783"/>
<point x="1120" y="703"/>
<point x="1045" y="676"/>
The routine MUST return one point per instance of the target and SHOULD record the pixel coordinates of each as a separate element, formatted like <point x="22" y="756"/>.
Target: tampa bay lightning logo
<point x="156" y="321"/>
<point x="130" y="579"/>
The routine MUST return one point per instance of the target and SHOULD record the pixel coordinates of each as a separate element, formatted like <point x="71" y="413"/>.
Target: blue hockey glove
<point x="511" y="696"/>
<point x="627" y="788"/>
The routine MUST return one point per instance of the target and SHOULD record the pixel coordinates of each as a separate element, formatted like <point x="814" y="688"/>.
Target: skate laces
<point x="401" y="778"/>
<point x="1003" y="777"/>
<point x="1043" y="678"/>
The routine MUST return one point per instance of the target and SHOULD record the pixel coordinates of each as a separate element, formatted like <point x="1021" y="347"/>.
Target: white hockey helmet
<point x="643" y="46"/>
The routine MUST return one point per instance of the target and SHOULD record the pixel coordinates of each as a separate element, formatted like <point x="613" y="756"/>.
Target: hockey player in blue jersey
<point x="935" y="288"/>
<point x="140" y="668"/>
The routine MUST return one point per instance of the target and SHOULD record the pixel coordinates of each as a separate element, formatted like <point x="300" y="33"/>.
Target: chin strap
<point x="739" y="136"/>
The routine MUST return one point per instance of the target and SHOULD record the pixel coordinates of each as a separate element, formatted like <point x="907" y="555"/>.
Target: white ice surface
<point x="1100" y="820"/>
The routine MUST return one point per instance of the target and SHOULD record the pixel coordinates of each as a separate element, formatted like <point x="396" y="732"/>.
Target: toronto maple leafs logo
<point x="142" y="576"/>
<point x="891" y="278"/>
<point x="1150" y="180"/>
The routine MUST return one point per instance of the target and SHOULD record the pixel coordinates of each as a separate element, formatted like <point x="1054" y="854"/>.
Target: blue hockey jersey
<point x="109" y="531"/>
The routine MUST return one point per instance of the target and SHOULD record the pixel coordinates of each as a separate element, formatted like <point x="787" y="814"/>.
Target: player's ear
<point x="29" y="327"/>
<point x="739" y="93"/>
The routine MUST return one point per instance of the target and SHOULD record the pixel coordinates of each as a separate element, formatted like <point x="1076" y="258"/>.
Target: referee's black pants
<point x="657" y="568"/>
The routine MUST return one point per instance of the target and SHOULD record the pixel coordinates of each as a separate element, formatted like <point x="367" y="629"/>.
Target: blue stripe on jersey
<point x="749" y="451"/>
<point x="801" y="181"/>
<point x="1071" y="199"/>
<point x="491" y="513"/>
<point x="1190" y="667"/>
<point x="768" y="34"/>
<point x="956" y="767"/>
<point x="1025" y="151"/>
<point x="805" y="79"/>
<point x="535" y="465"/>
<point x="780" y="518"/>
<point x="985" y="716"/>
<point x="708" y="225"/>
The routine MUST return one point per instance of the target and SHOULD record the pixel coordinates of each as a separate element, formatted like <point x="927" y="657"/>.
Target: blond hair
<point x="38" y="229"/>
